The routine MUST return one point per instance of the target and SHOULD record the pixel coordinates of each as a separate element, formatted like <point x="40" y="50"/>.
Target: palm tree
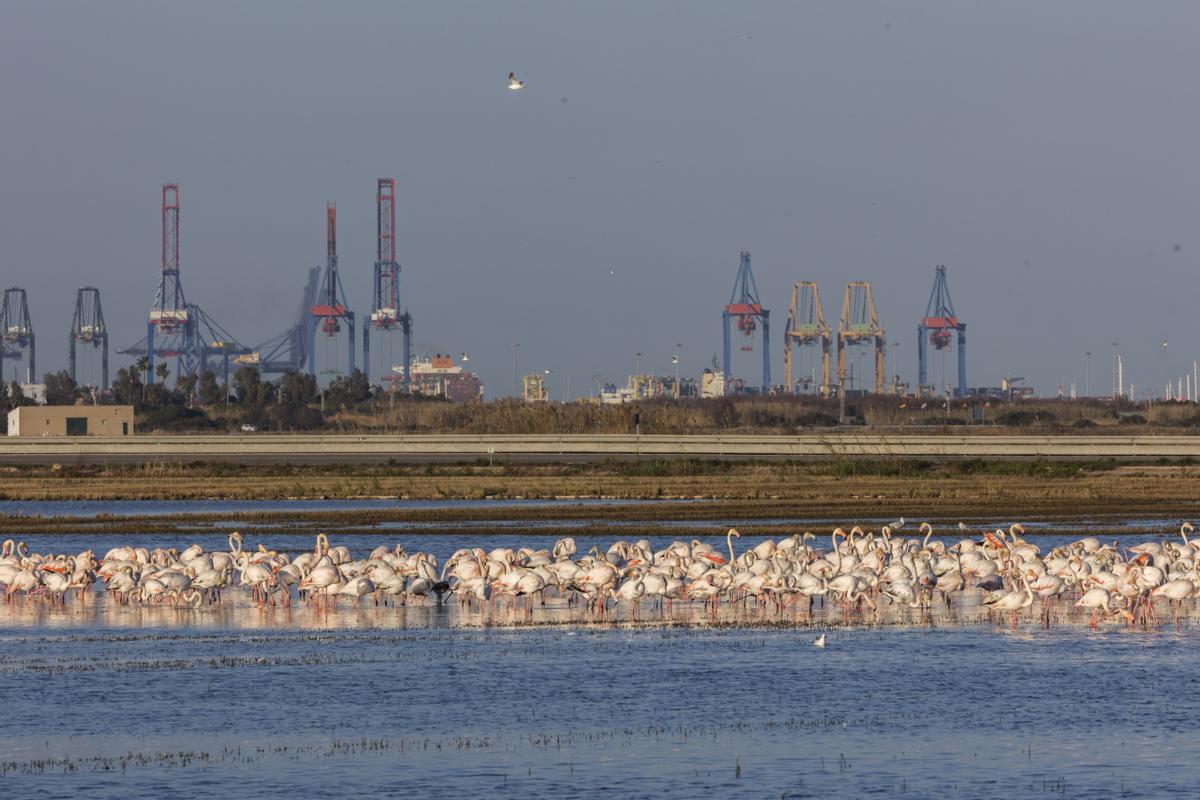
<point x="143" y="364"/>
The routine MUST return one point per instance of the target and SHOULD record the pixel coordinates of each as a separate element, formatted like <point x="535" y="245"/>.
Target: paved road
<point x="269" y="448"/>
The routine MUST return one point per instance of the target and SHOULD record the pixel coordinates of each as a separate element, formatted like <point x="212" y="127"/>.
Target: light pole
<point x="895" y="373"/>
<point x="678" y="350"/>
<point x="1087" y="374"/>
<point x="1117" y="389"/>
<point x="516" y="349"/>
<point x="547" y="372"/>
<point x="638" y="363"/>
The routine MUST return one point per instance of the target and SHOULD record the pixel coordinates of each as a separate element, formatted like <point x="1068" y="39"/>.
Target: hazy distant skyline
<point x="1043" y="152"/>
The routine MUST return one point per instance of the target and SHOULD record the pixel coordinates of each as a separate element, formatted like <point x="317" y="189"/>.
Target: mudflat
<point x="702" y="497"/>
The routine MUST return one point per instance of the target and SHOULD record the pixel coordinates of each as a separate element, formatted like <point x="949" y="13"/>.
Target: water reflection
<point x="236" y="611"/>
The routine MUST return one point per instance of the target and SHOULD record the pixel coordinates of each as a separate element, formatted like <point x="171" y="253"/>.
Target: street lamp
<point x="638" y="363"/>
<point x="895" y="375"/>
<point x="1087" y="374"/>
<point x="675" y="361"/>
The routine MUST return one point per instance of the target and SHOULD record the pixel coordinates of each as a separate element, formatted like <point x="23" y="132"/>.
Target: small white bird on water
<point x="819" y="641"/>
<point x="513" y="83"/>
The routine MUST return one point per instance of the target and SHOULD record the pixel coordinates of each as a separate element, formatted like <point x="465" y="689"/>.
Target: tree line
<point x="295" y="402"/>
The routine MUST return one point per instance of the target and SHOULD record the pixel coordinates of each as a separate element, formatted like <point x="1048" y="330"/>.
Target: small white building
<point x="618" y="396"/>
<point x="712" y="384"/>
<point x="35" y="392"/>
<point x="71" y="421"/>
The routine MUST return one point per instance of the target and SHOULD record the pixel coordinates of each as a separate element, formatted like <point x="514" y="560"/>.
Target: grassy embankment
<point x="755" y="415"/>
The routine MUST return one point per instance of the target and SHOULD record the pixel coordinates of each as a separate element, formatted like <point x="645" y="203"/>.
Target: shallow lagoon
<point x="579" y="712"/>
<point x="113" y="701"/>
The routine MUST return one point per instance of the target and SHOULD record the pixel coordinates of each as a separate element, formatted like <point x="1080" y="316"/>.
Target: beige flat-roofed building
<point x="71" y="421"/>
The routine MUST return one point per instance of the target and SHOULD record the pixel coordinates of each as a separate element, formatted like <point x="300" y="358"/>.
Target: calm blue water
<point x="90" y="508"/>
<point x="111" y="701"/>
<point x="580" y="713"/>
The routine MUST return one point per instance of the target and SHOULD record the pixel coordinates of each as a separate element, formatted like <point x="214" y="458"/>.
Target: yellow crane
<point x="806" y="325"/>
<point x="859" y="324"/>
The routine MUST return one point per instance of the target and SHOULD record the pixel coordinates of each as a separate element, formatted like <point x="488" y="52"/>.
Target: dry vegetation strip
<point x="757" y="495"/>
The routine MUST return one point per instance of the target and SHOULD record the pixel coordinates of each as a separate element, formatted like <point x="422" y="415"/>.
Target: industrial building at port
<point x="180" y="330"/>
<point x="746" y="318"/>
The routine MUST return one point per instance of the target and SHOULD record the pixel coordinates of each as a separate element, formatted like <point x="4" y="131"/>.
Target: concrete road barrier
<point x="310" y="449"/>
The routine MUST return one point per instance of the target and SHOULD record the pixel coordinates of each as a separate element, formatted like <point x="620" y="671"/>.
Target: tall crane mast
<point x="169" y="315"/>
<point x="386" y="314"/>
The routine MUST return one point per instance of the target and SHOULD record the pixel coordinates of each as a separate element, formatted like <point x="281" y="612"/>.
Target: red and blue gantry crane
<point x="936" y="328"/>
<point x="745" y="308"/>
<point x="176" y="328"/>
<point x="330" y="310"/>
<point x="386" y="314"/>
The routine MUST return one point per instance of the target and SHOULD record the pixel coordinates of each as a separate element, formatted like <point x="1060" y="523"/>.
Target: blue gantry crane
<point x="88" y="328"/>
<point x="16" y="329"/>
<point x="935" y="329"/>
<point x="745" y="307"/>
<point x="288" y="352"/>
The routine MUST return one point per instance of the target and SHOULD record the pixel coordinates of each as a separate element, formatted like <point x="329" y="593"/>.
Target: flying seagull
<point x="513" y="83"/>
<point x="819" y="641"/>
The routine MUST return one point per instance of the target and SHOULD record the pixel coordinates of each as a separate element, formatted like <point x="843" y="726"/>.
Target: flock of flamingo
<point x="861" y="571"/>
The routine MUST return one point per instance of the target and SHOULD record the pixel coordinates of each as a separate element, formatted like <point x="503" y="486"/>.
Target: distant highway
<point x="349" y="449"/>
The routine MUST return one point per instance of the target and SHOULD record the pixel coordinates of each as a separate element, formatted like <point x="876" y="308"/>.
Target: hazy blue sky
<point x="1045" y="152"/>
